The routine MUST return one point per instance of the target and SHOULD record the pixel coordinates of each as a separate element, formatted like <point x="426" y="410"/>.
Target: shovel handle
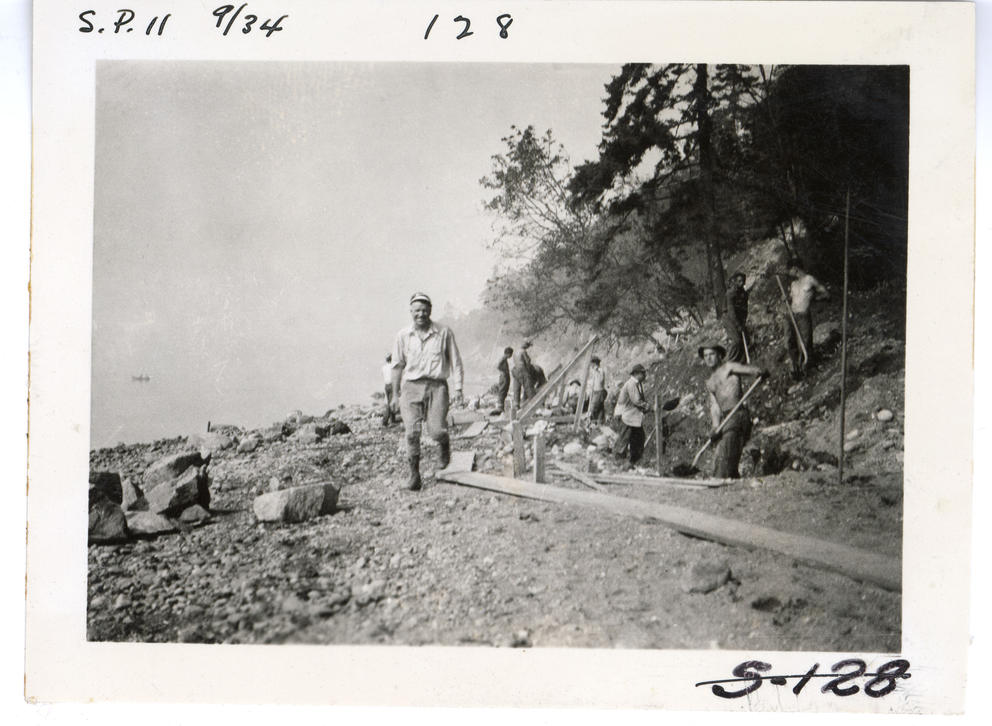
<point x="726" y="418"/>
<point x="792" y="319"/>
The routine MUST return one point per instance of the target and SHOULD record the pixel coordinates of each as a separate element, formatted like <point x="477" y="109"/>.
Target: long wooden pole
<point x="843" y="349"/>
<point x="657" y="432"/>
<point x="534" y="403"/>
<point x="582" y="392"/>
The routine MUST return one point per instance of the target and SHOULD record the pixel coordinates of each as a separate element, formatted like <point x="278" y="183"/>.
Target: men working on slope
<point x="735" y="319"/>
<point x="503" y="387"/>
<point x="803" y="290"/>
<point x="523" y="376"/>
<point x="597" y="391"/>
<point x="424" y="357"/>
<point x="724" y="386"/>
<point x="631" y="407"/>
<point x="388" y="417"/>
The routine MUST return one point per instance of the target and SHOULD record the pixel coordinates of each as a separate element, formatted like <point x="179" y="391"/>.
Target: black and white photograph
<point x="622" y="410"/>
<point x="453" y="347"/>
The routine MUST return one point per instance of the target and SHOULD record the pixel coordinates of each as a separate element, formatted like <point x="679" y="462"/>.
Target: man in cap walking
<point x="724" y="386"/>
<point x="631" y="407"/>
<point x="424" y="357"/>
<point x="523" y="376"/>
<point x="503" y="387"/>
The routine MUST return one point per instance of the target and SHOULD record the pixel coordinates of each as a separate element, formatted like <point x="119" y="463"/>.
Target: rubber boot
<point x="414" y="483"/>
<point x="445" y="443"/>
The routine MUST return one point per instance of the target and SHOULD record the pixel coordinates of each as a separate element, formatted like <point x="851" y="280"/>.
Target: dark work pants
<point x="502" y="390"/>
<point x="733" y="436"/>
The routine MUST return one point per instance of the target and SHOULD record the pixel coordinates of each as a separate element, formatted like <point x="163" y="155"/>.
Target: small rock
<point x="248" y="445"/>
<point x="852" y="434"/>
<point x="884" y="415"/>
<point x="369" y="593"/>
<point x="793" y="388"/>
<point x="706" y="576"/>
<point x="194" y="515"/>
<point x="572" y="448"/>
<point x="149" y="523"/>
<point x="121" y="602"/>
<point x="850" y="446"/>
<point x="521" y="639"/>
<point x="210" y="442"/>
<point x="339" y="427"/>
<point x="172" y="497"/>
<point x="766" y="603"/>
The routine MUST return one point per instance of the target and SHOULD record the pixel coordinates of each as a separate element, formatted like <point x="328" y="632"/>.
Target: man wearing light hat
<point x="631" y="407"/>
<point x="424" y="357"/>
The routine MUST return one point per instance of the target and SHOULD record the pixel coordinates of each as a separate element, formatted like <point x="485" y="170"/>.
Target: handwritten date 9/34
<point x="880" y="683"/>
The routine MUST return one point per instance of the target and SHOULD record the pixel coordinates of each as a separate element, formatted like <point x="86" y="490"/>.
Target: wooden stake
<point x="843" y="350"/>
<point x="519" y="459"/>
<point x="657" y="432"/>
<point x="582" y="391"/>
<point x="539" y="459"/>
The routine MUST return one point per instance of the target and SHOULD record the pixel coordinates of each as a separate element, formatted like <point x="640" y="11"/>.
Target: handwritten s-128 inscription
<point x="880" y="683"/>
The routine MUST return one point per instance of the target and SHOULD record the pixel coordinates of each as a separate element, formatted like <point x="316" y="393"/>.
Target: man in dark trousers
<point x="597" y="390"/>
<point x="631" y="407"/>
<point x="803" y="290"/>
<point x="523" y="376"/>
<point x="724" y="386"/>
<point x="735" y="319"/>
<point x="503" y="387"/>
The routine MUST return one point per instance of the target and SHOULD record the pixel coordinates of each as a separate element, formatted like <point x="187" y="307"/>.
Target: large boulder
<point x="107" y="521"/>
<point x="296" y="504"/>
<point x="172" y="497"/>
<point x="169" y="467"/>
<point x="105" y="485"/>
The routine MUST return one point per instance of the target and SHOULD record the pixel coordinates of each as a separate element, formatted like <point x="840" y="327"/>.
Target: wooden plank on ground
<point x="580" y="476"/>
<point x="662" y="480"/>
<point x="878" y="569"/>
<point x="535" y="403"/>
<point x="519" y="459"/>
<point x="461" y="461"/>
<point x="474" y="429"/>
<point x="464" y="416"/>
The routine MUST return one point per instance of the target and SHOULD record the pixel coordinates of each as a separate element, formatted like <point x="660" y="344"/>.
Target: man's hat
<point x="637" y="369"/>
<point x="420" y="297"/>
<point x="713" y="346"/>
<point x="594" y="359"/>
<point x="526" y="344"/>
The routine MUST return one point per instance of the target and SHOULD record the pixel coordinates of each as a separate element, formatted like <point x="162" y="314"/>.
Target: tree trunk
<point x="704" y="129"/>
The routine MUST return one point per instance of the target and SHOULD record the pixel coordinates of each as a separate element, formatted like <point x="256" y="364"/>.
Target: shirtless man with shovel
<point x="730" y="417"/>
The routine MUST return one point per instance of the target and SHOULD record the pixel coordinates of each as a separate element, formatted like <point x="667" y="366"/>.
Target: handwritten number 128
<point x="503" y="21"/>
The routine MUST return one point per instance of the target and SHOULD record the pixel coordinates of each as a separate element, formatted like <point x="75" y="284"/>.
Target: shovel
<point x="688" y="470"/>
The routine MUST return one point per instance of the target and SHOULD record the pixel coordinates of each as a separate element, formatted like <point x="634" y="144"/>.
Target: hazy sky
<point x="259" y="227"/>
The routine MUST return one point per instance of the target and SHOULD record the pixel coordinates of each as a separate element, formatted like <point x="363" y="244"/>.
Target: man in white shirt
<point x="631" y="407"/>
<point x="424" y="357"/>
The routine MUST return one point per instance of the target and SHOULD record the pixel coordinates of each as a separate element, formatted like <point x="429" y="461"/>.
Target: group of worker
<point x="425" y="356"/>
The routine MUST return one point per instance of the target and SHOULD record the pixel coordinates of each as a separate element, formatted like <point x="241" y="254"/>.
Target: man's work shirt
<point x="428" y="354"/>
<point x="628" y="402"/>
<point x="597" y="379"/>
<point x="503" y="367"/>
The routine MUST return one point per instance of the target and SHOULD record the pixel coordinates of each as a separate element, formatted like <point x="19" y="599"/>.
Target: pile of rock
<point x="176" y="490"/>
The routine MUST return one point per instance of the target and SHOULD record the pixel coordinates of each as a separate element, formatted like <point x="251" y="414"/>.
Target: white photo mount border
<point x="936" y="40"/>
